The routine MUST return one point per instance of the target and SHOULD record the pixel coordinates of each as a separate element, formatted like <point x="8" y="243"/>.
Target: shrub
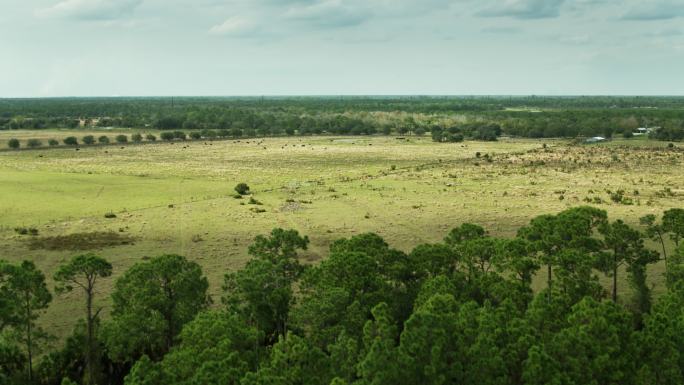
<point x="88" y="139"/>
<point x="103" y="140"/>
<point x="167" y="135"/>
<point x="195" y="135"/>
<point x="253" y="201"/>
<point x="33" y="143"/>
<point x="70" y="141"/>
<point x="121" y="139"/>
<point x="53" y="142"/>
<point x="137" y="138"/>
<point x="151" y="137"/>
<point x="13" y="143"/>
<point x="110" y="215"/>
<point x="242" y="188"/>
<point x="179" y="135"/>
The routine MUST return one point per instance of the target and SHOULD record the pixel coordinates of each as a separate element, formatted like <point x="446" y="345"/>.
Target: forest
<point x="446" y="118"/>
<point x="461" y="311"/>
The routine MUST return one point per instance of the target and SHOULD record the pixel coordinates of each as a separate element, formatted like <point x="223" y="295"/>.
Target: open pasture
<point x="178" y="197"/>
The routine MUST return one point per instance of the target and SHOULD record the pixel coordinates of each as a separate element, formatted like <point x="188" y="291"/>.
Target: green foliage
<point x="121" y="138"/>
<point x="34" y="143"/>
<point x="242" y="188"/>
<point x="458" y="312"/>
<point x="88" y="139"/>
<point x="673" y="223"/>
<point x="167" y="136"/>
<point x="103" y="139"/>
<point x="53" y="142"/>
<point x="262" y="291"/>
<point x="151" y="303"/>
<point x="83" y="271"/>
<point x="13" y="143"/>
<point x="136" y="138"/>
<point x="214" y="348"/>
<point x="70" y="141"/>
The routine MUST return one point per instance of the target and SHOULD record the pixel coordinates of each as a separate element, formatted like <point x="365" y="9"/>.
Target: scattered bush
<point x="70" y="141"/>
<point x="88" y="139"/>
<point x="110" y="215"/>
<point x="26" y="231"/>
<point x="13" y="144"/>
<point x="136" y="138"/>
<point x="179" y="135"/>
<point x="167" y="136"/>
<point x="242" y="188"/>
<point x="151" y="137"/>
<point x="121" y="139"/>
<point x="34" y="143"/>
<point x="253" y="201"/>
<point x="53" y="142"/>
<point x="103" y="140"/>
<point x="195" y="135"/>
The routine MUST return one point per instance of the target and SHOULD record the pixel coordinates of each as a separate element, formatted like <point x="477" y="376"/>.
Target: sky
<point x="54" y="48"/>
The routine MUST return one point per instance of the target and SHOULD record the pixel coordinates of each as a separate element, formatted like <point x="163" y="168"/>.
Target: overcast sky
<point x="333" y="47"/>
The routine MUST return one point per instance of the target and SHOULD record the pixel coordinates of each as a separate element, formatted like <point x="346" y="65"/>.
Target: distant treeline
<point x="535" y="117"/>
<point x="461" y="311"/>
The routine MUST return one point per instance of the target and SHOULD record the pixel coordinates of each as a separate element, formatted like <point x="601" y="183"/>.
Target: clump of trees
<point x="461" y="311"/>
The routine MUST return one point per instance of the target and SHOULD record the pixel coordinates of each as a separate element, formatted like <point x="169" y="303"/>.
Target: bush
<point x="195" y="135"/>
<point x="88" y="139"/>
<point x="53" y="142"/>
<point x="121" y="139"/>
<point x="13" y="143"/>
<point x="33" y="143"/>
<point x="70" y="141"/>
<point x="242" y="188"/>
<point x="137" y="138"/>
<point x="110" y="215"/>
<point x="167" y="135"/>
<point x="179" y="135"/>
<point x="103" y="140"/>
<point x="151" y="137"/>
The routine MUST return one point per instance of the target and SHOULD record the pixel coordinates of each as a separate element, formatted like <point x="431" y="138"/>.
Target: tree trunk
<point x="662" y="244"/>
<point x="89" y="345"/>
<point x="29" y="341"/>
<point x="615" y="270"/>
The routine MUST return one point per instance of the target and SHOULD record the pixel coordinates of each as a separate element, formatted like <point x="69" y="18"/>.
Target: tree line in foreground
<point x="462" y="311"/>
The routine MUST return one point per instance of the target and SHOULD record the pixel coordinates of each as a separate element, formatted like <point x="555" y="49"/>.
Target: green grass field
<point x="178" y="198"/>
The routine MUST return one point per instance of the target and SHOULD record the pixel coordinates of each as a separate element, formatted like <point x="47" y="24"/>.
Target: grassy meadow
<point x="178" y="197"/>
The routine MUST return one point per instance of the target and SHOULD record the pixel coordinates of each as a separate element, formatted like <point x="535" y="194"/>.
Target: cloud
<point x="330" y="13"/>
<point x="657" y="10"/>
<point x="234" y="26"/>
<point x="91" y="9"/>
<point x="501" y="30"/>
<point x="524" y="9"/>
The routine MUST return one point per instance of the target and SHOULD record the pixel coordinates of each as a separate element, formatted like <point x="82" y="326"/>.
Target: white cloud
<point x="91" y="9"/>
<point x="234" y="26"/>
